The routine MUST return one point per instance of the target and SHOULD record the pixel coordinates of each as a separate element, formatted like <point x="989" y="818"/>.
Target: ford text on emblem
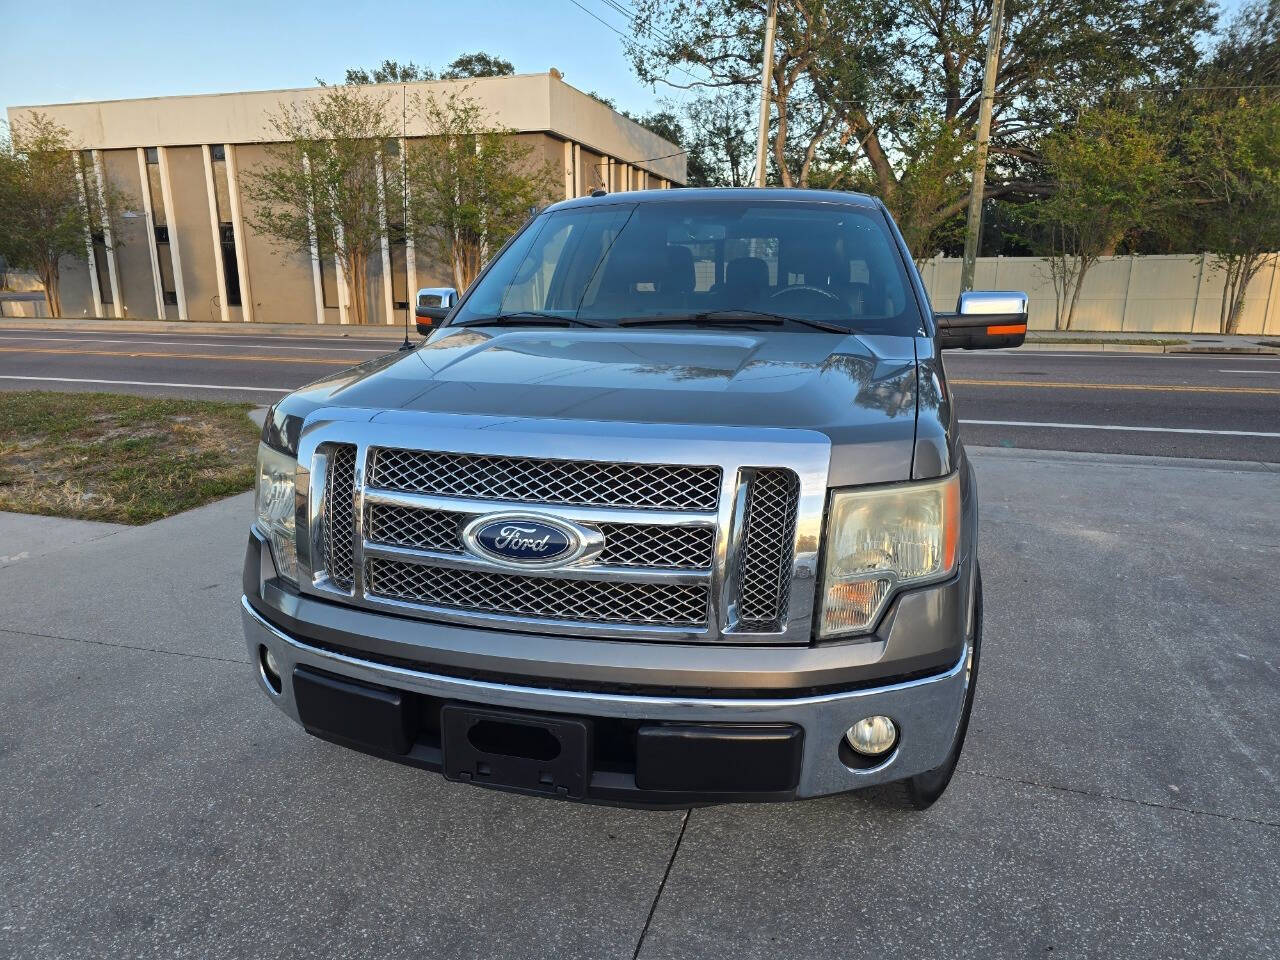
<point x="525" y="540"/>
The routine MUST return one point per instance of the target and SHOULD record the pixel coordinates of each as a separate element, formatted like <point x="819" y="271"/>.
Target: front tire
<point x="922" y="791"/>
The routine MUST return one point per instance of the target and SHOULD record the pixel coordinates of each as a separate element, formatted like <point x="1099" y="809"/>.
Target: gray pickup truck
<point x="670" y="509"/>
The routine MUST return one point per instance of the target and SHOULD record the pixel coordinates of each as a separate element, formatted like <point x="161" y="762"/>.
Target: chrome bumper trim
<point x="927" y="711"/>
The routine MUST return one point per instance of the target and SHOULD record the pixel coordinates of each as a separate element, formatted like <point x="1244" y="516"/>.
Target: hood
<point x="854" y="389"/>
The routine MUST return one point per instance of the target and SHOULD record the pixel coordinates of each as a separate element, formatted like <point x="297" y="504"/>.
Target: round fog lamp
<point x="872" y="736"/>
<point x="270" y="669"/>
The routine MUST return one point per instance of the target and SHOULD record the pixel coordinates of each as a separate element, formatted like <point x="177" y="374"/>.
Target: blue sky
<point x="129" y="48"/>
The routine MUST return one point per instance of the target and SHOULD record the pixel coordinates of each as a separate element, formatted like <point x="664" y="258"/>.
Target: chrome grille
<point x="649" y="545"/>
<point x="339" y="519"/>
<point x="645" y="486"/>
<point x="768" y="546"/>
<point x="589" y="601"/>
<point x="438" y="530"/>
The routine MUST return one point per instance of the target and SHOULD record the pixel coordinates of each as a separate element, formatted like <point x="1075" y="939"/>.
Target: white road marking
<point x="1255" y="370"/>
<point x="1112" y="426"/>
<point x="197" y="343"/>
<point x="154" y="383"/>
<point x="1101" y="354"/>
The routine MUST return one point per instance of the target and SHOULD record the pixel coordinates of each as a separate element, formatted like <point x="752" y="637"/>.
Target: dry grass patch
<point x="104" y="456"/>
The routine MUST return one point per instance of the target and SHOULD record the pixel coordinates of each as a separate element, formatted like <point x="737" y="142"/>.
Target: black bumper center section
<point x="520" y="751"/>
<point x="608" y="759"/>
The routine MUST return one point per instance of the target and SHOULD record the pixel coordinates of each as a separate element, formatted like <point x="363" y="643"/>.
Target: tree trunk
<point x="357" y="284"/>
<point x="52" y="296"/>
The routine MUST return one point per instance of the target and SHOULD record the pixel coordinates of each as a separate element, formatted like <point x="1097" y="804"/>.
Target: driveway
<point x="1119" y="796"/>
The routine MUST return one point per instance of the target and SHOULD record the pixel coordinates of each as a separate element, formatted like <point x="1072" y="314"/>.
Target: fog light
<point x="270" y="669"/>
<point x="872" y="736"/>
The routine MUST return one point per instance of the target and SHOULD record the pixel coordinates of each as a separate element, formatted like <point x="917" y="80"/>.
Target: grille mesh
<point x="438" y="530"/>
<point x="649" y="545"/>
<point x="527" y="480"/>
<point x="339" y="518"/>
<point x="592" y="601"/>
<point x="767" y="550"/>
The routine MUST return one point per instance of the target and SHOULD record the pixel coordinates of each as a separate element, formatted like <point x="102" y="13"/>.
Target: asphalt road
<point x="1203" y="406"/>
<point x="1119" y="795"/>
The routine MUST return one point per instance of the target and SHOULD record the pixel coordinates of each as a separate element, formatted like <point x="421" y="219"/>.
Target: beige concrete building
<point x="187" y="251"/>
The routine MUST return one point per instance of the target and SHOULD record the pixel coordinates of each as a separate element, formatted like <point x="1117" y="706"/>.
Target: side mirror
<point x="984" y="320"/>
<point x="426" y="318"/>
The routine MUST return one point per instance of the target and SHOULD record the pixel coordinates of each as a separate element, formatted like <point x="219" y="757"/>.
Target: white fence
<point x="1164" y="294"/>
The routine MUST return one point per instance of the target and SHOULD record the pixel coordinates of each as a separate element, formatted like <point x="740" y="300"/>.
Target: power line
<point x="599" y="19"/>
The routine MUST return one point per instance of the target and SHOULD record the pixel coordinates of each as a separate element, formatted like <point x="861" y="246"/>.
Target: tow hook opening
<point x="270" y="669"/>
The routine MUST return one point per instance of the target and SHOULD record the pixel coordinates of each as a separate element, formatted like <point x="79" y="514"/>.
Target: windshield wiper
<point x="730" y="317"/>
<point x="525" y="318"/>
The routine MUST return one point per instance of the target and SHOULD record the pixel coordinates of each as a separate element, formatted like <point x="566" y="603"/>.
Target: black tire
<point x="922" y="791"/>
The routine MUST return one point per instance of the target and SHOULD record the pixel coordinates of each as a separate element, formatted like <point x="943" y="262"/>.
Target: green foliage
<point x="43" y="213"/>
<point x="1233" y="157"/>
<point x="389" y="72"/>
<point x="472" y="184"/>
<point x="1112" y="174"/>
<point x="326" y="170"/>
<point x="860" y="89"/>
<point x="479" y="64"/>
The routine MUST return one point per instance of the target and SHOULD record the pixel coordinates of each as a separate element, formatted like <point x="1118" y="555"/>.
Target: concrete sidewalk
<point x="1118" y="796"/>
<point x="1096" y="341"/>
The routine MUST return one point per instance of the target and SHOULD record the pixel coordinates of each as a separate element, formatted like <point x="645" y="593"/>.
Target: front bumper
<point x="926" y="710"/>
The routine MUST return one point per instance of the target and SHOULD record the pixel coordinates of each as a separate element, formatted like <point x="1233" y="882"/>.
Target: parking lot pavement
<point x="1119" y="796"/>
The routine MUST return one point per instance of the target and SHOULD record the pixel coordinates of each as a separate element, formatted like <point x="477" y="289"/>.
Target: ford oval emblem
<point x="523" y="540"/>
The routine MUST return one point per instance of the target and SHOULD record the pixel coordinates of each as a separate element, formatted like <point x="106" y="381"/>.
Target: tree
<point x="1234" y="155"/>
<point x="43" y="212"/>
<point x="479" y="64"/>
<point x="472" y="184"/>
<point x="719" y="139"/>
<point x="389" y="72"/>
<point x="326" y="173"/>
<point x="859" y="86"/>
<point x="1112" y="175"/>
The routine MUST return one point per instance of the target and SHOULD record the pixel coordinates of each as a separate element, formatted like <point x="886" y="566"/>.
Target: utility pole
<point x="973" y="226"/>
<point x="762" y="143"/>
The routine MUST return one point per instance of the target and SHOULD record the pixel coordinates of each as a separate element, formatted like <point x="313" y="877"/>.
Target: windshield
<point x="640" y="261"/>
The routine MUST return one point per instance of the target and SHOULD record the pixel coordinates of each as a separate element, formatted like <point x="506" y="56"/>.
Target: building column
<point x="317" y="280"/>
<point x="113" y="275"/>
<point x="217" y="236"/>
<point x="88" y="238"/>
<point x="156" y="282"/>
<point x="340" y="276"/>
<point x="577" y="170"/>
<point x="175" y="253"/>
<point x="410" y="256"/>
<point x="388" y="299"/>
<point x="237" y="228"/>
<point x="568" y="170"/>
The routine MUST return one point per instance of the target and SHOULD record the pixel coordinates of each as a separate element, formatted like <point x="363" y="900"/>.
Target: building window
<point x="218" y="151"/>
<point x="153" y="155"/>
<point x="399" y="265"/>
<point x="230" y="265"/>
<point x="100" y="265"/>
<point x="329" y="282"/>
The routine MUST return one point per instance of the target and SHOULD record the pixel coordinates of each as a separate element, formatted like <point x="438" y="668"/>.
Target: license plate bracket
<point x="528" y="752"/>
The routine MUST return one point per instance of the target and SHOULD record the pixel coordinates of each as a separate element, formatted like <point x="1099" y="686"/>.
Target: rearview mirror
<point x="984" y="320"/>
<point x="426" y="318"/>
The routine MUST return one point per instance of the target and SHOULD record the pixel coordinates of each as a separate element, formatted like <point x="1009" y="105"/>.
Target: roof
<point x="754" y="194"/>
<point x="524" y="103"/>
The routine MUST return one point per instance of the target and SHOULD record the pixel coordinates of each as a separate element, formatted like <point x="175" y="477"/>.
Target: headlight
<point x="274" y="505"/>
<point x="883" y="538"/>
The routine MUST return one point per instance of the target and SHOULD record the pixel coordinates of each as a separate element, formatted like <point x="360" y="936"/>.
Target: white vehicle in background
<point x="432" y="305"/>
